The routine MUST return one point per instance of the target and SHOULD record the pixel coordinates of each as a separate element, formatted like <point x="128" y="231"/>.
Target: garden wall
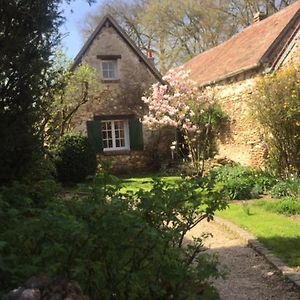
<point x="245" y="141"/>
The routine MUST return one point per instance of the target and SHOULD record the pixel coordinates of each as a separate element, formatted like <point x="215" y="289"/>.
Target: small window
<point x="109" y="70"/>
<point x="115" y="135"/>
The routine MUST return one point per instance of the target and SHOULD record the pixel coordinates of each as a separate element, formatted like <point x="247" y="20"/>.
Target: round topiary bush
<point x="75" y="159"/>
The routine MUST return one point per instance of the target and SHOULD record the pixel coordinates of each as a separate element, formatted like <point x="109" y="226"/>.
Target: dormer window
<point x="109" y="70"/>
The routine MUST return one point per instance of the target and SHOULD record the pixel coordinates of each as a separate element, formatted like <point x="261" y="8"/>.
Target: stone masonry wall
<point x="120" y="97"/>
<point x="293" y="57"/>
<point x="128" y="162"/>
<point x="245" y="143"/>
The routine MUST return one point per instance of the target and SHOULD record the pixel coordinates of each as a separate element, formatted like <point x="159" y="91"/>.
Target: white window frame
<point x="126" y="135"/>
<point x="115" y="64"/>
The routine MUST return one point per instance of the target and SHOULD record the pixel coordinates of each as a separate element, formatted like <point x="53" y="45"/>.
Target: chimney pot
<point x="259" y="16"/>
<point x="150" y="55"/>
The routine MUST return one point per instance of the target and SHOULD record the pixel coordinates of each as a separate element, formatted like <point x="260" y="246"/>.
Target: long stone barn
<point x="232" y="68"/>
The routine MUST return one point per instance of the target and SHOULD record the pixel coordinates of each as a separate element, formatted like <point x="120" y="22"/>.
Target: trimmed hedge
<point x="75" y="159"/>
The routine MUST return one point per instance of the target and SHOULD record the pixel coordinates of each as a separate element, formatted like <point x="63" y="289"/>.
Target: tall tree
<point x="244" y="10"/>
<point x="29" y="32"/>
<point x="178" y="30"/>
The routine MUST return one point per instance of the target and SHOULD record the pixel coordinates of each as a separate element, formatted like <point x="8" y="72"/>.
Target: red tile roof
<point x="248" y="49"/>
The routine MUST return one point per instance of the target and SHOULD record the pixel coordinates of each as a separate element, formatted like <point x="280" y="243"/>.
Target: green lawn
<point x="278" y="233"/>
<point x="137" y="183"/>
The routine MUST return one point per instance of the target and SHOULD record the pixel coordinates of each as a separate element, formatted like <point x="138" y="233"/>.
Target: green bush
<point x="286" y="206"/>
<point x="276" y="106"/>
<point x="116" y="245"/>
<point x="286" y="188"/>
<point x="75" y="159"/>
<point x="241" y="182"/>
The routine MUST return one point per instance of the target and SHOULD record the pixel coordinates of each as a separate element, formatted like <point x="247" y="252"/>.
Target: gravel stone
<point x="249" y="275"/>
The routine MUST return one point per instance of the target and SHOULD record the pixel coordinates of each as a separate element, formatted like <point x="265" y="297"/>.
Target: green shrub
<point x="286" y="206"/>
<point x="286" y="188"/>
<point x="275" y="104"/>
<point x="116" y="245"/>
<point x="241" y="182"/>
<point x="36" y="195"/>
<point x="75" y="159"/>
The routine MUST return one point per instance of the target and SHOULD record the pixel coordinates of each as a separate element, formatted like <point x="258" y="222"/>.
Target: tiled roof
<point x="256" y="45"/>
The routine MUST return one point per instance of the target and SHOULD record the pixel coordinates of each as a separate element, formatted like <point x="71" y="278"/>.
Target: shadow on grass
<point x="288" y="249"/>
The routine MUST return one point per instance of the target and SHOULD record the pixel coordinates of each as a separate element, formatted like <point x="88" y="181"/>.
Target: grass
<point x="145" y="183"/>
<point x="278" y="233"/>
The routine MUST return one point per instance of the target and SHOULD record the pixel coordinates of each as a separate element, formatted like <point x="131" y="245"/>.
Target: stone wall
<point x="293" y="54"/>
<point x="245" y="142"/>
<point x="119" y="97"/>
<point x="128" y="162"/>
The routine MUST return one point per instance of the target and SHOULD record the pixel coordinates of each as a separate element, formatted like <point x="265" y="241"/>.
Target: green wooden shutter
<point x="136" y="134"/>
<point x="95" y="135"/>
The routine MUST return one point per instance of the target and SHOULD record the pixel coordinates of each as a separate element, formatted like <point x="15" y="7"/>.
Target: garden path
<point x="250" y="276"/>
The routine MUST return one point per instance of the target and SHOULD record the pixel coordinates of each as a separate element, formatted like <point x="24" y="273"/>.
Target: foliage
<point x="75" y="159"/>
<point x="181" y="104"/>
<point x="116" y="245"/>
<point x="289" y="187"/>
<point x="25" y="58"/>
<point x="279" y="233"/>
<point x="286" y="206"/>
<point x="241" y="182"/>
<point x="71" y="90"/>
<point x="276" y="105"/>
<point x="29" y="36"/>
<point x="177" y="31"/>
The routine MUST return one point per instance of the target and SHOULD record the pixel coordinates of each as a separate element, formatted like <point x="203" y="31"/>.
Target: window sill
<point x="110" y="80"/>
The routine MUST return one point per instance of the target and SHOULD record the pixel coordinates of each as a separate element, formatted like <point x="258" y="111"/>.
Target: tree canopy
<point x="29" y="34"/>
<point x="178" y="30"/>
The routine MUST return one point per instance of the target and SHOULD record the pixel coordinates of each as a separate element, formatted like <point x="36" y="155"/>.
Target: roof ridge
<point x="245" y="29"/>
<point x="255" y="46"/>
<point x="126" y="38"/>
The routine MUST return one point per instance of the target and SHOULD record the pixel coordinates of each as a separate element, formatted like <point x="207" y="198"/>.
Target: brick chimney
<point x="150" y="56"/>
<point x="259" y="16"/>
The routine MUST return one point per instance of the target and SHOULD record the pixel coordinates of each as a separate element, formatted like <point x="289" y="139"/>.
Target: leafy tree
<point x="71" y="90"/>
<point x="178" y="30"/>
<point x="276" y="105"/>
<point x="29" y="33"/>
<point x="192" y="110"/>
<point x="244" y="10"/>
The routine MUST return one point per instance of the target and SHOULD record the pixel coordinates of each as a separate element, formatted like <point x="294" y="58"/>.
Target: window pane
<point x="109" y="69"/>
<point x="105" y="144"/>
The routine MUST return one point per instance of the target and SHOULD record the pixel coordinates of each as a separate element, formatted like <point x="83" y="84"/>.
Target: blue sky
<point x="75" y="14"/>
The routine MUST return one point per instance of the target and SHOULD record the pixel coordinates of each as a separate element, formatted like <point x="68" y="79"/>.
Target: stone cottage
<point x="232" y="68"/>
<point x="112" y="120"/>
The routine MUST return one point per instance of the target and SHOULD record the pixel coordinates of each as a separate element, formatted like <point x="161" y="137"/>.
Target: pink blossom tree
<point x="182" y="104"/>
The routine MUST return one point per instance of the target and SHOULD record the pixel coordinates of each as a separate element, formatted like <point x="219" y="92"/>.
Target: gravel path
<point x="249" y="275"/>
